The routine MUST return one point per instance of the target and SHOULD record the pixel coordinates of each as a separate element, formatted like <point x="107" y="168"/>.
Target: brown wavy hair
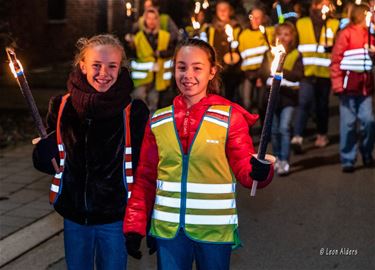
<point x="214" y="84"/>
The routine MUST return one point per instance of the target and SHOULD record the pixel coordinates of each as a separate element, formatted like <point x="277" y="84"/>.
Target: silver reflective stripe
<point x="310" y="48"/>
<point x="196" y="203"/>
<point x="211" y="219"/>
<point x="128" y="150"/>
<point x="356" y="51"/>
<point x="128" y="165"/>
<point x="62" y="162"/>
<point x="162" y="113"/>
<point x="166" y="120"/>
<point x="164" y="216"/>
<point x="254" y="51"/>
<point x="197" y="188"/>
<point x="61" y="147"/>
<point x="219" y="112"/>
<point x="58" y="175"/>
<point x="252" y="61"/>
<point x="283" y="83"/>
<point x="356" y="62"/>
<point x="142" y="66"/>
<point x="215" y="121"/>
<point x="129" y="194"/>
<point x="316" y="61"/>
<point x="129" y="179"/>
<point x="55" y="188"/>
<point x="168" y="64"/>
<point x="356" y="68"/>
<point x="346" y="80"/>
<point x="138" y="75"/>
<point x="167" y="75"/>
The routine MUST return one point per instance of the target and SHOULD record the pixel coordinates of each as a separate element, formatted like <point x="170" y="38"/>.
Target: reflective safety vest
<point x="194" y="191"/>
<point x="142" y="67"/>
<point x="252" y="46"/>
<point x="357" y="60"/>
<point x="57" y="183"/>
<point x="315" y="60"/>
<point x="290" y="60"/>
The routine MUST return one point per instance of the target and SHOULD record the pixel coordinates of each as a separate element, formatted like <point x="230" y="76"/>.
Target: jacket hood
<point x="213" y="99"/>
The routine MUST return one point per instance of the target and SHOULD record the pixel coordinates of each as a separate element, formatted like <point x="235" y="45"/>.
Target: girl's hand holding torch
<point x="276" y="72"/>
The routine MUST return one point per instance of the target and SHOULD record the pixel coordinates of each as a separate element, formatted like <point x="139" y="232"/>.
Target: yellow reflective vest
<point x="143" y="68"/>
<point x="315" y="60"/>
<point x="252" y="46"/>
<point x="195" y="191"/>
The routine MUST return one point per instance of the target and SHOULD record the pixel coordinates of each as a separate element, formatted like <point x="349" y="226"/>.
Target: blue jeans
<point x="313" y="91"/>
<point x="179" y="253"/>
<point x="351" y="109"/>
<point x="103" y="243"/>
<point x="281" y="133"/>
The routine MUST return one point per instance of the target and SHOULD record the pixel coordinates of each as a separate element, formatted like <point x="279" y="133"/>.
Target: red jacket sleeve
<point x="337" y="75"/>
<point x="239" y="150"/>
<point x="142" y="198"/>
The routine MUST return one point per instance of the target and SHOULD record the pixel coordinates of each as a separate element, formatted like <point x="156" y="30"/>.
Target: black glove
<point x="45" y="150"/>
<point x="133" y="244"/>
<point x="260" y="169"/>
<point x="151" y="244"/>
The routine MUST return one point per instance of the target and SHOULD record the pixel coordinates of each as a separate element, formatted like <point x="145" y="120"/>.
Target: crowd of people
<point x="155" y="148"/>
<point x="243" y="42"/>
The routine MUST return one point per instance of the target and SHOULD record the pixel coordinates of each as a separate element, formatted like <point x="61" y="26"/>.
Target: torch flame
<point x="325" y="10"/>
<point x="205" y="4"/>
<point x="277" y="51"/>
<point x="261" y="28"/>
<point x="14" y="64"/>
<point x="197" y="7"/>
<point x="339" y="3"/>
<point x="229" y="32"/>
<point x="128" y="6"/>
<point x="196" y="25"/>
<point x="358" y="2"/>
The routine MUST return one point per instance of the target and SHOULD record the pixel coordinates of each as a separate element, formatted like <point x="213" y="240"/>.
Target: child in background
<point x="353" y="83"/>
<point x="192" y="154"/>
<point x="95" y="136"/>
<point x="286" y="35"/>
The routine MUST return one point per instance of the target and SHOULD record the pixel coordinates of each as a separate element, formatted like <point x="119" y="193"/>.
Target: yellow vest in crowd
<point x="252" y="46"/>
<point x="143" y="68"/>
<point x="315" y="60"/>
<point x="194" y="191"/>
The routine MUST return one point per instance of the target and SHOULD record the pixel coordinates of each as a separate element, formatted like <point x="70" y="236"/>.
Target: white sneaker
<point x="276" y="165"/>
<point x="283" y="168"/>
<point x="296" y="144"/>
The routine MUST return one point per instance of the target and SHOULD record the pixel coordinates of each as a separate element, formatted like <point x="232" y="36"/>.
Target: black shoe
<point x="348" y="169"/>
<point x="368" y="162"/>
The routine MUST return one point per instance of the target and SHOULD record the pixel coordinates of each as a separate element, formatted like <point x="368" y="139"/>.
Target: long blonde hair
<point x="104" y="39"/>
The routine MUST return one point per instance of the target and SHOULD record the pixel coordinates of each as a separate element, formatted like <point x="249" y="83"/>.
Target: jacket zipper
<point x="185" y="159"/>
<point x="87" y="167"/>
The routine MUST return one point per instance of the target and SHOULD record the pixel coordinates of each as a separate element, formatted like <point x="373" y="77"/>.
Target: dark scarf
<point x="90" y="103"/>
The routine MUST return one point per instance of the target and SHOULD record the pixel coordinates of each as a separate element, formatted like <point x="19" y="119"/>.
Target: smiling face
<point x="193" y="71"/>
<point x="285" y="36"/>
<point x="101" y="65"/>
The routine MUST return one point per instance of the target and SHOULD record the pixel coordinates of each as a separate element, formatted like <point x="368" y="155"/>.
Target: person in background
<point x="353" y="83"/>
<point x="316" y="38"/>
<point x="152" y="68"/>
<point x="192" y="155"/>
<point x="95" y="134"/>
<point x="231" y="73"/>
<point x="252" y="46"/>
<point x="286" y="34"/>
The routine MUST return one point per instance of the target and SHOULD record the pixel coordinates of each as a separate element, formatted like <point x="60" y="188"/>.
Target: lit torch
<point x="197" y="7"/>
<point x="129" y="9"/>
<point x="277" y="74"/>
<point x="325" y="10"/>
<point x="205" y="4"/>
<point x="17" y="70"/>
<point x="263" y="30"/>
<point x="229" y="32"/>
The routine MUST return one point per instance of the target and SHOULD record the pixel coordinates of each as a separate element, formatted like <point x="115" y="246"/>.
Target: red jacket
<point x="239" y="149"/>
<point x="350" y="82"/>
